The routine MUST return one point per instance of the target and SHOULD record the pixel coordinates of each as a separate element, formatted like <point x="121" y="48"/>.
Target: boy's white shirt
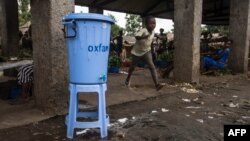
<point x="144" y="45"/>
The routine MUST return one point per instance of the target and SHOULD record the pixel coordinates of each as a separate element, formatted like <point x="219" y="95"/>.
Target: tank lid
<point x="87" y="16"/>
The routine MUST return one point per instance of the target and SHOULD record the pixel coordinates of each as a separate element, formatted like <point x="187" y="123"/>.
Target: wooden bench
<point x="14" y="64"/>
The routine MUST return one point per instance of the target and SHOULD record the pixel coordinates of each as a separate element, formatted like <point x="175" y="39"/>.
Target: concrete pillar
<point x="3" y="31"/>
<point x="239" y="30"/>
<point x="95" y="10"/>
<point x="50" y="54"/>
<point x="9" y="27"/>
<point x="187" y="23"/>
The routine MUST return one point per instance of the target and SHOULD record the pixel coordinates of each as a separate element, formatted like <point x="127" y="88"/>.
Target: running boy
<point x="142" y="51"/>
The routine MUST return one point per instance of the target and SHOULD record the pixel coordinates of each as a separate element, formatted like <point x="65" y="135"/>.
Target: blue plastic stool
<point x="71" y="119"/>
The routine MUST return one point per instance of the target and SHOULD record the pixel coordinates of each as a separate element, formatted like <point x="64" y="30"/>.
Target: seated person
<point x="25" y="73"/>
<point x="217" y="60"/>
<point x="25" y="79"/>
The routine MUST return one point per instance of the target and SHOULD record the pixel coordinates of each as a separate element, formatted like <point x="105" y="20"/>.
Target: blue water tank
<point x="88" y="43"/>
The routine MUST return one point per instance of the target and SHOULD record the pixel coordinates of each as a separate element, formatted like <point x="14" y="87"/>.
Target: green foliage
<point x="133" y="24"/>
<point x="225" y="71"/>
<point x="112" y="17"/>
<point x="22" y="55"/>
<point x="24" y="11"/>
<point x="25" y="54"/>
<point x="114" y="61"/>
<point x="224" y="30"/>
<point x="2" y="58"/>
<point x="166" y="56"/>
<point x="114" y="28"/>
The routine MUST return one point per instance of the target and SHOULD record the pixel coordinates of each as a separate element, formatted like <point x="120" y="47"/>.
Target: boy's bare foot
<point x="159" y="86"/>
<point x="127" y="83"/>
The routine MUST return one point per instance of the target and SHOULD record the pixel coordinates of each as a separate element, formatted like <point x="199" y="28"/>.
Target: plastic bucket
<point x="14" y="92"/>
<point x="88" y="42"/>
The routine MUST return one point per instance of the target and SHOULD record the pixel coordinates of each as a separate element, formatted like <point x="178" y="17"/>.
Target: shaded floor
<point x="179" y="111"/>
<point x="16" y="115"/>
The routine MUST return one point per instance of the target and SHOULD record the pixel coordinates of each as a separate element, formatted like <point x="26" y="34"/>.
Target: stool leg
<point x="102" y="112"/>
<point x="72" y="112"/>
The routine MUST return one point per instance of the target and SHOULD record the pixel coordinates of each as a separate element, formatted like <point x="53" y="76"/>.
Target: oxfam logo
<point x="98" y="48"/>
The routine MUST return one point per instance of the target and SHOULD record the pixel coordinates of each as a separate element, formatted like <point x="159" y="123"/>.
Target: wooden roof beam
<point x="157" y="2"/>
<point x="215" y="22"/>
<point x="106" y="2"/>
<point x="93" y="3"/>
<point x="162" y="11"/>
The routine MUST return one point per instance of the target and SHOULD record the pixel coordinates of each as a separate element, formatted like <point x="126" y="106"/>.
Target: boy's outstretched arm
<point x="141" y="37"/>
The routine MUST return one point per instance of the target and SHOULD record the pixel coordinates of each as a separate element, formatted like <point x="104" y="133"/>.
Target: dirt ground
<point x="179" y="112"/>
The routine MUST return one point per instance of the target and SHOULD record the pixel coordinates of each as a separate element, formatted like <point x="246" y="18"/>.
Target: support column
<point x="9" y="27"/>
<point x="95" y="10"/>
<point x="3" y="31"/>
<point x="187" y="27"/>
<point x="239" y="30"/>
<point x="50" y="54"/>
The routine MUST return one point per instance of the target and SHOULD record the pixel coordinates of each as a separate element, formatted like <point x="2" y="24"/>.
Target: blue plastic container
<point x="14" y="92"/>
<point x="114" y="70"/>
<point x="88" y="41"/>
